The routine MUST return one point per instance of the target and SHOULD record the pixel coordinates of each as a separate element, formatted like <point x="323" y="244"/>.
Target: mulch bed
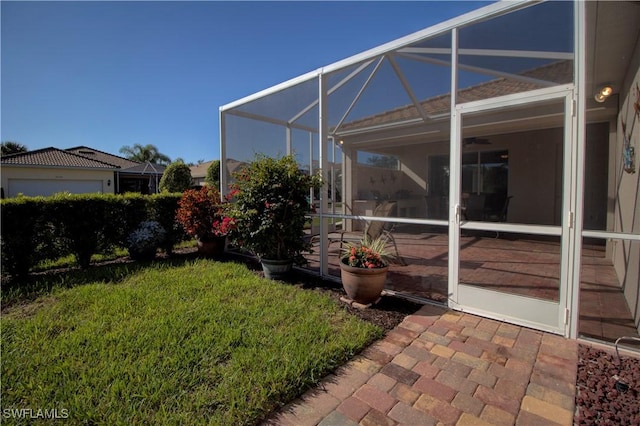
<point x="387" y="313"/>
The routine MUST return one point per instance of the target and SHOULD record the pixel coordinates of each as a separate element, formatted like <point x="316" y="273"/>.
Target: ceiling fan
<point x="475" y="141"/>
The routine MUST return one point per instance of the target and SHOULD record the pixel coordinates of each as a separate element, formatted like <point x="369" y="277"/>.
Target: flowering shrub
<point x="203" y="214"/>
<point x="271" y="204"/>
<point x="145" y="240"/>
<point x="367" y="253"/>
<point x="223" y="227"/>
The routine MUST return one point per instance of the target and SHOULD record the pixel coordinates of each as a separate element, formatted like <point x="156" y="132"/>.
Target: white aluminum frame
<point x="571" y="229"/>
<point x="487" y="12"/>
<point x="540" y="314"/>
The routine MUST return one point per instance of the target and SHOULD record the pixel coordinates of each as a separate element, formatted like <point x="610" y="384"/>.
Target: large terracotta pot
<point x="361" y="284"/>
<point x="212" y="246"/>
<point x="276" y="269"/>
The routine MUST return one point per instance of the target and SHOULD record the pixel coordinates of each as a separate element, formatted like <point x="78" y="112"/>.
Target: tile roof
<point x="200" y="170"/>
<point x="54" y="157"/>
<point x="558" y="72"/>
<point x="104" y="157"/>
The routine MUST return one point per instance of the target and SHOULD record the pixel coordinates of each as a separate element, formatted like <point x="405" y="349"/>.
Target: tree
<point x="10" y="147"/>
<point x="383" y="161"/>
<point x="144" y="153"/>
<point x="176" y="178"/>
<point x="213" y="174"/>
<point x="181" y="160"/>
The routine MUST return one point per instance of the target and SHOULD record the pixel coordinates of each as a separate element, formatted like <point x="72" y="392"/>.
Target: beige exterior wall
<point x="626" y="255"/>
<point x="51" y="173"/>
<point x="535" y="175"/>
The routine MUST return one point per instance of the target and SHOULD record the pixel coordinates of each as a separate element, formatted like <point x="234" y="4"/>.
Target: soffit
<point x="614" y="30"/>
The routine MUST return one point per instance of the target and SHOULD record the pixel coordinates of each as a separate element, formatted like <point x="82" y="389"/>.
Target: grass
<point x="197" y="343"/>
<point x="70" y="260"/>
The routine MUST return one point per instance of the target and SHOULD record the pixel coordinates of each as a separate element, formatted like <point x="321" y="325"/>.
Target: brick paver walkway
<point x="445" y="367"/>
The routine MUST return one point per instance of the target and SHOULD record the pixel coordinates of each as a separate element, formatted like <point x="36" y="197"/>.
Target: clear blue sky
<point x="109" y="74"/>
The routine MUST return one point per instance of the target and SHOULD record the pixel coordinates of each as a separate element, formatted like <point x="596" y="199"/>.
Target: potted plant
<point x="363" y="268"/>
<point x="144" y="241"/>
<point x="204" y="215"/>
<point x="271" y="202"/>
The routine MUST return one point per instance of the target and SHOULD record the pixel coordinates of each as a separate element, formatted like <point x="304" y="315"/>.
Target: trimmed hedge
<point x="162" y="209"/>
<point x="22" y="233"/>
<point x="38" y="228"/>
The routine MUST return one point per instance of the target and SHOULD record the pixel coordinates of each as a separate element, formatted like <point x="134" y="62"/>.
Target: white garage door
<point x="35" y="187"/>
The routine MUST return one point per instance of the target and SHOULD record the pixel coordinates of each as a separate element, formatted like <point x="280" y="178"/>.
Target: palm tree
<point x="10" y="147"/>
<point x="145" y="153"/>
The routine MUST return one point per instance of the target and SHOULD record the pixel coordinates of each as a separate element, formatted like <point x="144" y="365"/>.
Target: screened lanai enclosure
<point x="502" y="141"/>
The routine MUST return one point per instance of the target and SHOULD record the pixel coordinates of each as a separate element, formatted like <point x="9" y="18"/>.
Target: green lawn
<point x="70" y="260"/>
<point x="202" y="342"/>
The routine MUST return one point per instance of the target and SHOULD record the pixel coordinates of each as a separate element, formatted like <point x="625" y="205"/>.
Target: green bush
<point x="272" y="200"/>
<point x="163" y="208"/>
<point x="126" y="214"/>
<point x="36" y="229"/>
<point x="176" y="178"/>
<point x="213" y="174"/>
<point x="86" y="223"/>
<point x="24" y="234"/>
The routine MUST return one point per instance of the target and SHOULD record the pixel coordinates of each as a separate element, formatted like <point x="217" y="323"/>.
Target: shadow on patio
<point x="512" y="264"/>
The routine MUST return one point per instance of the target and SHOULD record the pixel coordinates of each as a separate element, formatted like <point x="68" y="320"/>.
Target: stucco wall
<point x="535" y="165"/>
<point x="43" y="173"/>
<point x="626" y="255"/>
<point x="534" y="173"/>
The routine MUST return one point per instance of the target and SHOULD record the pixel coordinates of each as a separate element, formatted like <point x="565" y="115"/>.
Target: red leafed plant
<point x="203" y="213"/>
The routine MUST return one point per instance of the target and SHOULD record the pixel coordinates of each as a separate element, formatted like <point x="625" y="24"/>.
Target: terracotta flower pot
<point x="363" y="285"/>
<point x="212" y="247"/>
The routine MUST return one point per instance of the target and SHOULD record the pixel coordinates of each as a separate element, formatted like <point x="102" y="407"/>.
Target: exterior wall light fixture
<point x="602" y="94"/>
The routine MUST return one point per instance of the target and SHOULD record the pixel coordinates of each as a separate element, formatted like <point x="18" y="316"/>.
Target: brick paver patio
<point x="518" y="266"/>
<point x="444" y="367"/>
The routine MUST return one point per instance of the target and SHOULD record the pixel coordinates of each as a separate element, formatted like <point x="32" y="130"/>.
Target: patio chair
<point x="474" y="208"/>
<point x="479" y="207"/>
<point x="500" y="216"/>
<point x="374" y="229"/>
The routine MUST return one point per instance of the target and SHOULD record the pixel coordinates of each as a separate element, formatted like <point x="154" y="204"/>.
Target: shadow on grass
<point x="387" y="313"/>
<point x="20" y="290"/>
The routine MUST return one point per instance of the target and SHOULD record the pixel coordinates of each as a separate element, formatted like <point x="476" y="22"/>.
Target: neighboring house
<point x="50" y="170"/>
<point x="143" y="178"/>
<point x="76" y="170"/>
<point x="132" y="176"/>
<point x="199" y="173"/>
